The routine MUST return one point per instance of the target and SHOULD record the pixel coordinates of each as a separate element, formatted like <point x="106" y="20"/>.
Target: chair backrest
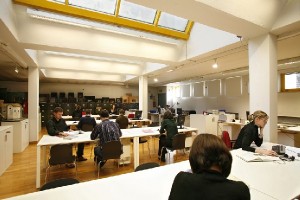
<point x="87" y="127"/>
<point x="61" y="154"/>
<point x="112" y="150"/>
<point x="178" y="141"/>
<point x="131" y="115"/>
<point x="146" y="166"/>
<point x="59" y="183"/>
<point x="226" y="139"/>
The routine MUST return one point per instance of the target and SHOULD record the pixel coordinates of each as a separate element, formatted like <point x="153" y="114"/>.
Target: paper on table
<point x="253" y="157"/>
<point x="72" y="132"/>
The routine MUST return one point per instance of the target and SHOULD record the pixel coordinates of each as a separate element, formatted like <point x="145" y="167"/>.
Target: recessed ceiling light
<point x="155" y="80"/>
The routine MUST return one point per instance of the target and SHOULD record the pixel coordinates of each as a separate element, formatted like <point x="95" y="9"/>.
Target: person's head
<point x="58" y="112"/>
<point x="104" y="114"/>
<point x="88" y="112"/>
<point x="168" y="115"/>
<point x="209" y="152"/>
<point x="77" y="107"/>
<point x="121" y="112"/>
<point x="260" y="118"/>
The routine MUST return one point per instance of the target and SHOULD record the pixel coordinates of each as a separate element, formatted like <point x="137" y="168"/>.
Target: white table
<point x="275" y="180"/>
<point x="75" y="123"/>
<point x="134" y="133"/>
<point x="266" y="180"/>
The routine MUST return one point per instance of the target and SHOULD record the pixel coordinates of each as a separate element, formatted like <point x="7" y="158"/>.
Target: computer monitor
<point x="180" y="120"/>
<point x="179" y="111"/>
<point x="138" y="114"/>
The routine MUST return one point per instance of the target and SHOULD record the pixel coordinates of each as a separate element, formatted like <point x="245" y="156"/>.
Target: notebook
<point x="254" y="157"/>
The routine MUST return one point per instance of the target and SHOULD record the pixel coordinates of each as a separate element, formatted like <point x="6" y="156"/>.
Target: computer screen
<point x="179" y="111"/>
<point x="180" y="120"/>
<point x="138" y="114"/>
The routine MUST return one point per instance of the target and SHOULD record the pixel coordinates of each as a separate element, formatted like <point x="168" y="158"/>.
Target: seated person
<point x="56" y="127"/>
<point x="106" y="131"/>
<point x="122" y="120"/>
<point x="253" y="132"/>
<point x="167" y="131"/>
<point x="77" y="114"/>
<point x="210" y="162"/>
<point x="87" y="120"/>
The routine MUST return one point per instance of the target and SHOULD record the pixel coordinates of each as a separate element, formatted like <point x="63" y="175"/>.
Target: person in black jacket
<point x="253" y="132"/>
<point x="167" y="131"/>
<point x="210" y="162"/>
<point x="56" y="127"/>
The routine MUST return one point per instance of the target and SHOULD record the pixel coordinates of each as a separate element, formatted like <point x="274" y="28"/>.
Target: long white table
<point x="131" y="121"/>
<point x="266" y="180"/>
<point x="134" y="133"/>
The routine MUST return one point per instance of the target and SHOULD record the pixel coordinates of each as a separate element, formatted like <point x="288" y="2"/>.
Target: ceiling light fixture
<point x="215" y="65"/>
<point x="170" y="70"/>
<point x="155" y="79"/>
<point x="16" y="70"/>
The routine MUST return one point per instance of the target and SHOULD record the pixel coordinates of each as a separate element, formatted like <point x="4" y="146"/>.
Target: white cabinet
<point x="6" y="147"/>
<point x="208" y="123"/>
<point x="21" y="134"/>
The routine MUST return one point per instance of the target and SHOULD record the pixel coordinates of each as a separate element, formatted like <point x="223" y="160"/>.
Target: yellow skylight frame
<point x="67" y="9"/>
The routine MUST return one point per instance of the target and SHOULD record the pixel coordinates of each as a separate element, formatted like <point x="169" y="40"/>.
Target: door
<point x="162" y="99"/>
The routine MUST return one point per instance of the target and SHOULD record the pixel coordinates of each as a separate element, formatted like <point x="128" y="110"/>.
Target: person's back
<point x="207" y="185"/>
<point x="122" y="120"/>
<point x="86" y="120"/>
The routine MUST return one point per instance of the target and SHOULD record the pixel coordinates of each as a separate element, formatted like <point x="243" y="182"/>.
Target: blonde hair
<point x="258" y="114"/>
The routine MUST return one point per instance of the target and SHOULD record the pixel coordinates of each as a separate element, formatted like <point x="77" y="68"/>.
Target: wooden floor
<point x="20" y="177"/>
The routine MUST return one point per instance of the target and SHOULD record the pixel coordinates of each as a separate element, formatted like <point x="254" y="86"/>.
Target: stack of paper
<point x="254" y="157"/>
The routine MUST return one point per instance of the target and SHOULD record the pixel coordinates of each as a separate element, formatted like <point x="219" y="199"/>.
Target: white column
<point x="33" y="103"/>
<point x="143" y="95"/>
<point x="263" y="80"/>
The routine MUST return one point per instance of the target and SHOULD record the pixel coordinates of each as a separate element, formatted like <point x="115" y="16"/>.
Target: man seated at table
<point x="122" y="120"/>
<point x="56" y="127"/>
<point x="88" y="119"/>
<point x="106" y="131"/>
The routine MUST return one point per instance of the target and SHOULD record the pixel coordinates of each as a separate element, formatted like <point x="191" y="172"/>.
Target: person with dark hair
<point x="56" y="127"/>
<point x="210" y="161"/>
<point x="122" y="120"/>
<point x="253" y="132"/>
<point x="106" y="131"/>
<point x="167" y="131"/>
<point x="77" y="114"/>
<point x="88" y="119"/>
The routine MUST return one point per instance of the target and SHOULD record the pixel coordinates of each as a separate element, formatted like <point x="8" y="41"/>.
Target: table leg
<point x="136" y="151"/>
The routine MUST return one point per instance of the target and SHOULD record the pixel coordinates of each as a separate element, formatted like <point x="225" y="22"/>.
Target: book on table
<point x="254" y="157"/>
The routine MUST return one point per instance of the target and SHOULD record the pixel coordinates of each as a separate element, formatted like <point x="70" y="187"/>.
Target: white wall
<point x="288" y="103"/>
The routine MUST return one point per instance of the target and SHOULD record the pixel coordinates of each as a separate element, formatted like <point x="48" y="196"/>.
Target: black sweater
<point x="207" y="186"/>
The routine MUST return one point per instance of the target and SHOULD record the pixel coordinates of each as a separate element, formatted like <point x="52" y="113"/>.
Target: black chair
<point x="146" y="166"/>
<point x="59" y="183"/>
<point x="87" y="127"/>
<point x="110" y="150"/>
<point x="177" y="144"/>
<point x="61" y="154"/>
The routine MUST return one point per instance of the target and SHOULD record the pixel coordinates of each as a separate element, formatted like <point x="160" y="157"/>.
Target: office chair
<point x="60" y="154"/>
<point x="110" y="150"/>
<point x="148" y="165"/>
<point x="88" y="127"/>
<point x="59" y="183"/>
<point x="226" y="139"/>
<point x="177" y="144"/>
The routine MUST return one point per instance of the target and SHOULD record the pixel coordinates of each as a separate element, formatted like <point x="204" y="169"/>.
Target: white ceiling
<point x="117" y="55"/>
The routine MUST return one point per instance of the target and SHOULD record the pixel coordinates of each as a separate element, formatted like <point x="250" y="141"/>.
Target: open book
<point x="254" y="157"/>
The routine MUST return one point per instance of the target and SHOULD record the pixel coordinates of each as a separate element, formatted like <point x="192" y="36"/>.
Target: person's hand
<point x="62" y="134"/>
<point x="266" y="152"/>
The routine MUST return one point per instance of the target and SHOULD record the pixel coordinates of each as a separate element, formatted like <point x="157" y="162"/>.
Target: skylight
<point x="120" y="13"/>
